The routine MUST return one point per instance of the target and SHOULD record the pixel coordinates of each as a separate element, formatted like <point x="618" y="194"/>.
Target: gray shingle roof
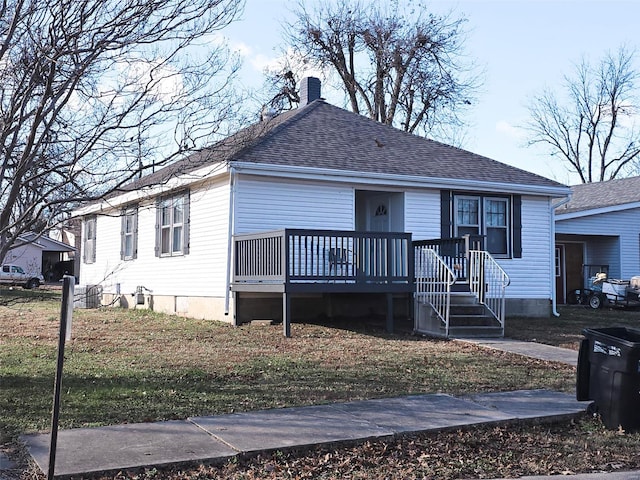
<point x="321" y="135"/>
<point x="611" y="193"/>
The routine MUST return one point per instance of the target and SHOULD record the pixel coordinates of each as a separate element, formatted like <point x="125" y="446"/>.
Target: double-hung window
<point x="89" y="247"/>
<point x="487" y="216"/>
<point x="129" y="234"/>
<point x="172" y="225"/>
<point x="496" y="224"/>
<point x="467" y="216"/>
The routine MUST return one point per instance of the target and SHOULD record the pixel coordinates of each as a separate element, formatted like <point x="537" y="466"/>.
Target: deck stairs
<point x="468" y="317"/>
<point x="452" y="307"/>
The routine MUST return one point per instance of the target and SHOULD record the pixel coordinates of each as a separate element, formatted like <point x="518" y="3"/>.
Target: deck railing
<point x="488" y="281"/>
<point x="434" y="279"/>
<point x="298" y="256"/>
<point x="454" y="251"/>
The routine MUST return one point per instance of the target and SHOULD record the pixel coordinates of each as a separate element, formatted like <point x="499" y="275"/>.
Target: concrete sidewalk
<point x="218" y="438"/>
<point x="527" y="349"/>
<point x="221" y="437"/>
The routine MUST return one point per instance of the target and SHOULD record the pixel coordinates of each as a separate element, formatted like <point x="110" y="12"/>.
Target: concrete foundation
<point x="305" y="307"/>
<point x="528" y="307"/>
<point x="206" y="308"/>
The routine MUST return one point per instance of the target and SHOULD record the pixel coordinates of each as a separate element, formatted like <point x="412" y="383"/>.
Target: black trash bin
<point x="609" y="374"/>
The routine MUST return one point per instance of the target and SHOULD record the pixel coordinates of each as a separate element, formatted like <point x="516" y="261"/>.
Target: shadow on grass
<point x="372" y="325"/>
<point x="566" y="330"/>
<point x="17" y="295"/>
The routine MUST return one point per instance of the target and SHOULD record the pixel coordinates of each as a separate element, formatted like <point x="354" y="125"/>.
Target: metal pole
<point x="66" y="308"/>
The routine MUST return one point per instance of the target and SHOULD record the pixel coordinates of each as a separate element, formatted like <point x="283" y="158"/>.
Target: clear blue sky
<point x="522" y="45"/>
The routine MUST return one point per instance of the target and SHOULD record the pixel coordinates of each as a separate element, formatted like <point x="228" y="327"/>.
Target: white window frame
<point x="172" y="226"/>
<point x="458" y="225"/>
<point x="506" y="228"/>
<point x="90" y="235"/>
<point x="482" y="227"/>
<point x="129" y="233"/>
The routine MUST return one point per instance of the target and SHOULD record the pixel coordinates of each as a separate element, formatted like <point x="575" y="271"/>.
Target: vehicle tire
<point x="32" y="283"/>
<point x="596" y="301"/>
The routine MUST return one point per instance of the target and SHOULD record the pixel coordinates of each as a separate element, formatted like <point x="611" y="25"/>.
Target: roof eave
<point x="176" y="183"/>
<point x="373" y="178"/>
<point x="597" y="211"/>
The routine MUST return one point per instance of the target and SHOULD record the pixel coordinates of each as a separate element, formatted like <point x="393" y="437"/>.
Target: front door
<point x="379" y="213"/>
<point x="569" y="275"/>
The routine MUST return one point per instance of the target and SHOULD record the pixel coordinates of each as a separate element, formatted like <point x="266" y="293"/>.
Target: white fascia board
<point x="174" y="183"/>
<point x="597" y="211"/>
<point x="383" y="179"/>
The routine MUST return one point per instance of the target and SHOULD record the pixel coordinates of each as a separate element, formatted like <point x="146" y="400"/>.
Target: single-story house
<point x="312" y="205"/>
<point x="41" y="255"/>
<point x="597" y="230"/>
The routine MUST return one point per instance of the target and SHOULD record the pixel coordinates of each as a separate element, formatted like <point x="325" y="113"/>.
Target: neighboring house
<point x="598" y="229"/>
<point x="41" y="255"/>
<point x="174" y="240"/>
<point x="69" y="234"/>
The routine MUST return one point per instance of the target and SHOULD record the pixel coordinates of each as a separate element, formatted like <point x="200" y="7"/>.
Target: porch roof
<point x="603" y="195"/>
<point x="45" y="243"/>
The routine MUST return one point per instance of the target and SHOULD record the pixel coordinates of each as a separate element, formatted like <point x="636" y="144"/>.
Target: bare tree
<point x="592" y="128"/>
<point x="402" y="68"/>
<point x="95" y="92"/>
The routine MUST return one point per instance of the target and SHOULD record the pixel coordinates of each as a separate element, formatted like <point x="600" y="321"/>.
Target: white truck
<point x="15" y="275"/>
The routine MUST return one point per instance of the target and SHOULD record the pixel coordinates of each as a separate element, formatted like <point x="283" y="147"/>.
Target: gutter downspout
<point x="552" y="208"/>
<point x="232" y="187"/>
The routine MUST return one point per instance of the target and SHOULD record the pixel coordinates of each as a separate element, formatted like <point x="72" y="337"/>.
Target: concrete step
<point x="460" y="287"/>
<point x="463" y="298"/>
<point x="471" y="309"/>
<point x="473" y="321"/>
<point x="475" y="332"/>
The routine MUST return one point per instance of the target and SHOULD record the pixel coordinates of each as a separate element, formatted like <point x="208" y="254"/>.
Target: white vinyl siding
<point x="422" y="214"/>
<point x="271" y="205"/>
<point x="263" y="204"/>
<point x="532" y="274"/>
<point x="201" y="273"/>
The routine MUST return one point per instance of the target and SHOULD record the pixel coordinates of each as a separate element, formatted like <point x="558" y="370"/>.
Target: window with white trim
<point x="496" y="216"/>
<point x="487" y="216"/>
<point x="89" y="247"/>
<point x="129" y="234"/>
<point x="172" y="226"/>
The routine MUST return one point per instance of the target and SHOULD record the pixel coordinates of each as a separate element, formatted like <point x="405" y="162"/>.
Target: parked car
<point x="15" y="275"/>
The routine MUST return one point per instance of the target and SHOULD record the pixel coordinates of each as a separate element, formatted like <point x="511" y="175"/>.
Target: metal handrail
<point x="434" y="279"/>
<point x="488" y="281"/>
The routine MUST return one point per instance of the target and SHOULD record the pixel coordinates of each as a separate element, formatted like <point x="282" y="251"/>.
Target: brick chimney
<point x="309" y="90"/>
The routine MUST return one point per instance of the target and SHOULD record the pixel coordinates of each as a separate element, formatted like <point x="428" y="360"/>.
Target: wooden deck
<point x="293" y="261"/>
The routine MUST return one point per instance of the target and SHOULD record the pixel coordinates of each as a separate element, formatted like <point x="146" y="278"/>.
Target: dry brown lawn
<point x="126" y="366"/>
